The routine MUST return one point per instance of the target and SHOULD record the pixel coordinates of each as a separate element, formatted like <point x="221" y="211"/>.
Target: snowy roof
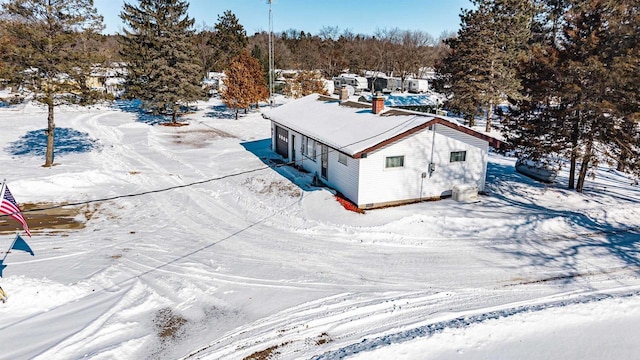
<point x="351" y="127"/>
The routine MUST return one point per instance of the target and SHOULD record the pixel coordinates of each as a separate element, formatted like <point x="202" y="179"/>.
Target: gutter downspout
<point x="432" y="166"/>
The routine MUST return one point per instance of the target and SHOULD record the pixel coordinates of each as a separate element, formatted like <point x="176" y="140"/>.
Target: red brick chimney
<point x="378" y="103"/>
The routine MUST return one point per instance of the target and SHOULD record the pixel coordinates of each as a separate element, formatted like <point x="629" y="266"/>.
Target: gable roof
<point x="352" y="128"/>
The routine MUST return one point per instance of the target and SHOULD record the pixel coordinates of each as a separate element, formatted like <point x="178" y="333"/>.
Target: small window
<point x="458" y="156"/>
<point x="394" y="162"/>
<point x="342" y="158"/>
<point x="309" y="148"/>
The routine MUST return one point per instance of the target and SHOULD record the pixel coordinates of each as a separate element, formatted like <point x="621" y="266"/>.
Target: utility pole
<point x="271" y="60"/>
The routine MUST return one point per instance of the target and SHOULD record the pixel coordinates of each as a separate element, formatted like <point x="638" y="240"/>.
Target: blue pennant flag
<point x="20" y="244"/>
<point x="2" y="266"/>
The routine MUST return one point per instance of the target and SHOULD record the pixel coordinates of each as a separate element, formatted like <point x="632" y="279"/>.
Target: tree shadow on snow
<point x="223" y="112"/>
<point x="142" y="115"/>
<point x="66" y="141"/>
<point x="559" y="251"/>
<point x="262" y="150"/>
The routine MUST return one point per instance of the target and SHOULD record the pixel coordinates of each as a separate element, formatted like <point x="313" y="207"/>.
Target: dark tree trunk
<point x="574" y="156"/>
<point x="572" y="168"/>
<point x="586" y="159"/>
<point x="489" y="116"/>
<point x="51" y="126"/>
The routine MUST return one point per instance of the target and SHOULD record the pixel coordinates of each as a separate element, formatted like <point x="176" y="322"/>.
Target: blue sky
<point x="359" y="16"/>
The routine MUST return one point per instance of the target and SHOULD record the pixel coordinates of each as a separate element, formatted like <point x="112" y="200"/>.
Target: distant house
<point x="376" y="156"/>
<point x="384" y="84"/>
<point x="109" y="80"/>
<point x="214" y="82"/>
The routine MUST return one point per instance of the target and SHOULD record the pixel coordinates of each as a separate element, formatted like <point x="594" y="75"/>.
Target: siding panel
<point x="380" y="185"/>
<point x="343" y="178"/>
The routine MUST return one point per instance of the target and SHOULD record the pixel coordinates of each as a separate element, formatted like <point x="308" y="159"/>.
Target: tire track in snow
<point x="355" y="309"/>
<point x="369" y="344"/>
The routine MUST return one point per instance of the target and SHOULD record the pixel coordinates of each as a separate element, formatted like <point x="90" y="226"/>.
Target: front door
<point x="325" y="162"/>
<point x="293" y="149"/>
<point x="282" y="142"/>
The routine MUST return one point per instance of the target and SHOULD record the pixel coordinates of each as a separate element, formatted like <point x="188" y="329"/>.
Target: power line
<point x="150" y="191"/>
<point x="207" y="180"/>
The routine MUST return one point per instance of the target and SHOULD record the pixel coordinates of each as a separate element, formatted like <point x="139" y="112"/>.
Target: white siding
<point x="366" y="181"/>
<point x="471" y="171"/>
<point x="344" y="178"/>
<point x="380" y="185"/>
<point x="341" y="178"/>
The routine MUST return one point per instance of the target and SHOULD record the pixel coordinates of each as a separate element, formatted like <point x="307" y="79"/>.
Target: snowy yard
<point x="205" y="249"/>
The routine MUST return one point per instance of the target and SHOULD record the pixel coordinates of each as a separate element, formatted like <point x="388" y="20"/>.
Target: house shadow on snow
<point x="66" y="141"/>
<point x="296" y="175"/>
<point x="560" y="253"/>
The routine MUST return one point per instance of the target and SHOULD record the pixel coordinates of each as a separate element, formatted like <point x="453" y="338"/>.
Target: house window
<point x="342" y="158"/>
<point x="458" y="156"/>
<point x="394" y="162"/>
<point x="309" y="148"/>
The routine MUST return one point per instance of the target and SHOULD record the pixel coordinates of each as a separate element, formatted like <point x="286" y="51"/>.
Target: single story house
<point x="377" y="156"/>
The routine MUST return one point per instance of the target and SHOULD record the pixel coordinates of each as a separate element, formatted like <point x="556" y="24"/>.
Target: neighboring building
<point x="429" y="102"/>
<point x="384" y="84"/>
<point x="375" y="156"/>
<point x="416" y="86"/>
<point x="214" y="82"/>
<point x="358" y="83"/>
<point x="109" y="80"/>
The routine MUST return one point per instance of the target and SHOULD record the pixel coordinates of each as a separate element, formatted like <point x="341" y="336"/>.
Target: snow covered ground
<point x="204" y="249"/>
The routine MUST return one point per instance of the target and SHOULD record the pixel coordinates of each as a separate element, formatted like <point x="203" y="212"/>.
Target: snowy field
<point x="197" y="246"/>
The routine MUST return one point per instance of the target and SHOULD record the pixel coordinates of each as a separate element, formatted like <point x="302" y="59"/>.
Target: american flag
<point x="10" y="207"/>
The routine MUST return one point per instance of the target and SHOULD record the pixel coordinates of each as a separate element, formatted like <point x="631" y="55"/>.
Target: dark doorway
<point x="282" y="142"/>
<point x="325" y="162"/>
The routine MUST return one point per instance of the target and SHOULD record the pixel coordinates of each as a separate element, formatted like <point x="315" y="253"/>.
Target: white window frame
<point x="343" y="158"/>
<point x="308" y="148"/>
<point x="454" y="156"/>
<point x="386" y="162"/>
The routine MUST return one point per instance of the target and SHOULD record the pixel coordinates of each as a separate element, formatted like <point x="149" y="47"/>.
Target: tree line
<point x="331" y="51"/>
<point x="569" y="69"/>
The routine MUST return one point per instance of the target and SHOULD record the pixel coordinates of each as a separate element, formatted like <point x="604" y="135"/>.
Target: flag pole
<point x="10" y="247"/>
<point x="4" y="182"/>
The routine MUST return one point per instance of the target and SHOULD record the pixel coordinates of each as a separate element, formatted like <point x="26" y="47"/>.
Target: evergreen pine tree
<point x="481" y="68"/>
<point x="534" y="126"/>
<point x="601" y="67"/>
<point x="583" y="83"/>
<point x="263" y="59"/>
<point x="51" y="50"/>
<point x="228" y="41"/>
<point x="158" y="47"/>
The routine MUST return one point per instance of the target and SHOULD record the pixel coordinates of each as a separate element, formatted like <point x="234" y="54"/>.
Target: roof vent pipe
<point x="344" y="93"/>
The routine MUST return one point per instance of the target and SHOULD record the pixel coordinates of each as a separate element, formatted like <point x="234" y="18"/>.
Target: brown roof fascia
<point x="495" y="143"/>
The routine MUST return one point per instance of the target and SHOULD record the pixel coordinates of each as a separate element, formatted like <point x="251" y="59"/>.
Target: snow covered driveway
<point x="204" y="251"/>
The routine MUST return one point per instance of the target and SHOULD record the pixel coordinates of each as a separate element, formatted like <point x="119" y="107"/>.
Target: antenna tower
<point x="271" y="61"/>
